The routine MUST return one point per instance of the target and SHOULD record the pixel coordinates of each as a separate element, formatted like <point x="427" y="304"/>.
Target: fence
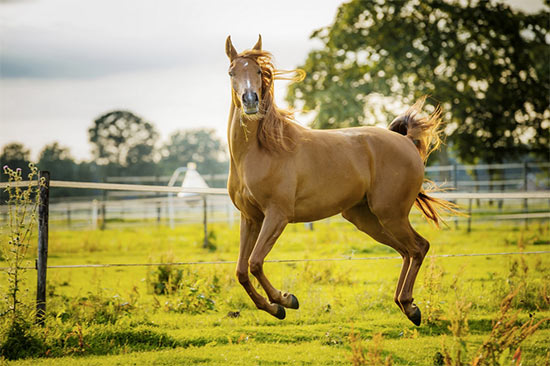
<point x="203" y="193"/>
<point x="467" y="178"/>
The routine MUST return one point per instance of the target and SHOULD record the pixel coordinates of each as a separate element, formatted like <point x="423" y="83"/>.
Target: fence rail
<point x="150" y="202"/>
<point x="222" y="191"/>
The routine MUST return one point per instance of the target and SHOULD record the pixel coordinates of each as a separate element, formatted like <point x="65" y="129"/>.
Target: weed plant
<point x="18" y="337"/>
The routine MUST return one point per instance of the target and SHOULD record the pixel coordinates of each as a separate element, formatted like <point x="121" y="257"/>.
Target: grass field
<point x="199" y="314"/>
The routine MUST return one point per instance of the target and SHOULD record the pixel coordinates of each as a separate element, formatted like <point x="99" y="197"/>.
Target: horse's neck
<point x="242" y="134"/>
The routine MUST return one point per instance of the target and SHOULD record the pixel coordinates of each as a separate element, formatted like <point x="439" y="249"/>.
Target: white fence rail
<point x="209" y="205"/>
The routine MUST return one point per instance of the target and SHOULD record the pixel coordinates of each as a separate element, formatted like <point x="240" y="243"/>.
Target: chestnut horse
<point x="281" y="172"/>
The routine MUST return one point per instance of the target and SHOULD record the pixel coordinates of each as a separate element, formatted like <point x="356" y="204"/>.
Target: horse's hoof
<point x="416" y="318"/>
<point x="294" y="304"/>
<point x="281" y="313"/>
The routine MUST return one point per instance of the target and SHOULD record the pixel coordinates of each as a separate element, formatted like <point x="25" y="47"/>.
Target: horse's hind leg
<point x="404" y="242"/>
<point x="367" y="222"/>
<point x="418" y="253"/>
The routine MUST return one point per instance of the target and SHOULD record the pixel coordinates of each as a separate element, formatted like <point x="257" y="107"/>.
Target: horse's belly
<point x="325" y="204"/>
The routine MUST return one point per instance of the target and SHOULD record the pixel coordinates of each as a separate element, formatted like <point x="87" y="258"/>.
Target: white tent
<point x="192" y="179"/>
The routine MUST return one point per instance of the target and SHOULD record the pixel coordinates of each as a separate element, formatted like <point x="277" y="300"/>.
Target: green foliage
<point x="22" y="203"/>
<point x="457" y="315"/>
<point x="433" y="286"/>
<point x="165" y="280"/>
<point x="195" y="295"/>
<point x="21" y="341"/>
<point x="16" y="155"/>
<point x="371" y="356"/>
<point x="483" y="61"/>
<point x="501" y="346"/>
<point x="122" y="139"/>
<point x="95" y="308"/>
<point x="58" y="161"/>
<point x="200" y="146"/>
<point x="187" y="290"/>
<point x="211" y="239"/>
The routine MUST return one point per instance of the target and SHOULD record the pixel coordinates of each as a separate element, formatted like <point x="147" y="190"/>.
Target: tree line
<point x="124" y="144"/>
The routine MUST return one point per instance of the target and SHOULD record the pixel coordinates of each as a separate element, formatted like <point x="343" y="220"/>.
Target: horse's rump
<point x="425" y="132"/>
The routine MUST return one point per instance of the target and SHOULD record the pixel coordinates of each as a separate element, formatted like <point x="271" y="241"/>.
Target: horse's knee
<point x="256" y="267"/>
<point x="242" y="276"/>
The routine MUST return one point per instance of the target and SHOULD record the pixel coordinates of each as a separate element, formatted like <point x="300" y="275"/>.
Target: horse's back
<point x="346" y="166"/>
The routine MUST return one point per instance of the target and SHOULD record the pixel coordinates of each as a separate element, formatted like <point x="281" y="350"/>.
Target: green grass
<point x="111" y="316"/>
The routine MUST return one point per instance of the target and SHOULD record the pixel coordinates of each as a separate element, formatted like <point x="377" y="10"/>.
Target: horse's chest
<point x="244" y="198"/>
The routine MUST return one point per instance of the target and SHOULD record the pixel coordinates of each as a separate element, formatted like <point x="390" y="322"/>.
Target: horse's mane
<point x="274" y="121"/>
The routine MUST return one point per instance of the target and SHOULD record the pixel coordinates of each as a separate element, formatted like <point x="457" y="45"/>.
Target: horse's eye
<point x="259" y="72"/>
<point x="231" y="73"/>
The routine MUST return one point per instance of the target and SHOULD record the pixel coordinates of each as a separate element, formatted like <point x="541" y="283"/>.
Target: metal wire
<point x="349" y="258"/>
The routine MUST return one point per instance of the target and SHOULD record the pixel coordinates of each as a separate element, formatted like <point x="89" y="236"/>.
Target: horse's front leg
<point x="249" y="234"/>
<point x="272" y="227"/>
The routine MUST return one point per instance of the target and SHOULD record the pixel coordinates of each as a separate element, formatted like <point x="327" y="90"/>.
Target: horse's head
<point x="246" y="78"/>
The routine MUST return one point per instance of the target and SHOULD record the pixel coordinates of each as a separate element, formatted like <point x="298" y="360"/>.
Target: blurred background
<point x="130" y="91"/>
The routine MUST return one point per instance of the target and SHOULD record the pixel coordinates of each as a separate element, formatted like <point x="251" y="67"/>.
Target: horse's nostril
<point x="250" y="98"/>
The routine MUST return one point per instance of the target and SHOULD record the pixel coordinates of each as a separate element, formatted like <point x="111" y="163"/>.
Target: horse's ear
<point x="258" y="45"/>
<point x="230" y="51"/>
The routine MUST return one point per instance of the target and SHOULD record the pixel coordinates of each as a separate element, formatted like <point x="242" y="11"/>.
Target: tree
<point x="122" y="139"/>
<point x="199" y="146"/>
<point x="484" y="62"/>
<point x="16" y="155"/>
<point x="58" y="161"/>
<point x="61" y="165"/>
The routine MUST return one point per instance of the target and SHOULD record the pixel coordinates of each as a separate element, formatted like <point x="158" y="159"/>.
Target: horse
<point x="281" y="172"/>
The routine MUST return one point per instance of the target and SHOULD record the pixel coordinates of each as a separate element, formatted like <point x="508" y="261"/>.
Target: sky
<point x="63" y="63"/>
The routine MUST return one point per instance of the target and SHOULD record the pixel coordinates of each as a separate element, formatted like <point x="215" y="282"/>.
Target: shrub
<point x="22" y="203"/>
<point x="18" y="339"/>
<point x="370" y="356"/>
<point x="188" y="292"/>
<point x="432" y="285"/>
<point x="21" y="342"/>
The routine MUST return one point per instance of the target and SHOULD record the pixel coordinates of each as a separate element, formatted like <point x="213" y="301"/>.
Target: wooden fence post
<point x="205" y="221"/>
<point x="42" y="258"/>
<point x="69" y="215"/>
<point x="94" y="214"/>
<point x="103" y="210"/>
<point x="455" y="183"/>
<point x="469" y="215"/>
<point x="525" y="188"/>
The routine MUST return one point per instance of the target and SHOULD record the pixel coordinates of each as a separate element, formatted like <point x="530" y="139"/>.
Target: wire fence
<point x="304" y="260"/>
<point x="202" y="194"/>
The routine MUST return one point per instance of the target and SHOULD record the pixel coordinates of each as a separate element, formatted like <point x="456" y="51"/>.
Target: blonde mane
<point x="274" y="121"/>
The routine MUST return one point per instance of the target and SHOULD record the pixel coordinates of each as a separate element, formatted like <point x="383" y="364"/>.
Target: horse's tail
<point x="431" y="206"/>
<point x="425" y="132"/>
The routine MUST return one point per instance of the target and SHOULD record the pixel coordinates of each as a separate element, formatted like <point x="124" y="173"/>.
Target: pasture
<point x="199" y="314"/>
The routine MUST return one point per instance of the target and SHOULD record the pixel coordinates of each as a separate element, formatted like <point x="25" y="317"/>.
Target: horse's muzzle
<point x="250" y="102"/>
